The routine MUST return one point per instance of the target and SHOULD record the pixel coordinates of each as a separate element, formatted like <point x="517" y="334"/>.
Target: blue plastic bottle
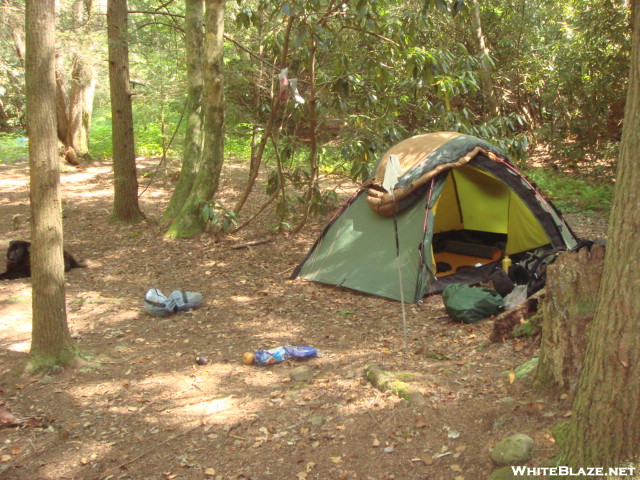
<point x="280" y="354"/>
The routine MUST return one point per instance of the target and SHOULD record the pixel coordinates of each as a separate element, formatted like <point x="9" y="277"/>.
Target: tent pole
<point x="395" y="229"/>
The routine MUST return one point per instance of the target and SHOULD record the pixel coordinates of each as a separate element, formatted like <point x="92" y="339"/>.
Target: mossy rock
<point x="513" y="450"/>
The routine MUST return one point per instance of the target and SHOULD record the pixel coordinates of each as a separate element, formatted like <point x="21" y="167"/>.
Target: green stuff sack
<point x="468" y="304"/>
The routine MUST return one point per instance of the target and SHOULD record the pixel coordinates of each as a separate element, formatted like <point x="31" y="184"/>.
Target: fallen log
<point x="387" y="382"/>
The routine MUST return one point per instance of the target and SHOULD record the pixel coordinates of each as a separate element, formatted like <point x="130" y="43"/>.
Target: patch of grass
<point x="147" y="133"/>
<point x="573" y="194"/>
<point x="14" y="147"/>
<point x="100" y="146"/>
<point x="237" y="142"/>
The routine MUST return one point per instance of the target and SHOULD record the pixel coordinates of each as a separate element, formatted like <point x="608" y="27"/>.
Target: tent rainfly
<point x="461" y="206"/>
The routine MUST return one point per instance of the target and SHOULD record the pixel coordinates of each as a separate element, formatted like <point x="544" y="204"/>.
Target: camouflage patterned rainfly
<point x="451" y="186"/>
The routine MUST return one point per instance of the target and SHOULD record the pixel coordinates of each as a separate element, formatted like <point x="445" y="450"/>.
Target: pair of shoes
<point x="156" y="304"/>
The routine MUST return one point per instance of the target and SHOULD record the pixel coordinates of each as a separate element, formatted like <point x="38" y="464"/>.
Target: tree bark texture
<point x="192" y="156"/>
<point x="189" y="221"/>
<point x="74" y="107"/>
<point x="568" y="308"/>
<point x="76" y="81"/>
<point x="81" y="93"/>
<point x="51" y="342"/>
<point x="125" y="180"/>
<point x="62" y="102"/>
<point x="606" y="422"/>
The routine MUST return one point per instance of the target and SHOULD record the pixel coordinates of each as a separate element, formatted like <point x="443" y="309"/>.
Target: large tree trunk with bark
<point x="192" y="155"/>
<point x="76" y="82"/>
<point x="51" y="342"/>
<point x="189" y="221"/>
<point x="572" y="288"/>
<point x="125" y="180"/>
<point x="66" y="106"/>
<point x="81" y="93"/>
<point x="605" y="429"/>
<point x="62" y="101"/>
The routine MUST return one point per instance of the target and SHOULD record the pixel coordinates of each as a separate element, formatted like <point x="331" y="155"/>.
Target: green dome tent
<point x="461" y="206"/>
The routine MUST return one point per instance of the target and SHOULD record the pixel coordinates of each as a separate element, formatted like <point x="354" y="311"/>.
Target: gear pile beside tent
<point x="461" y="206"/>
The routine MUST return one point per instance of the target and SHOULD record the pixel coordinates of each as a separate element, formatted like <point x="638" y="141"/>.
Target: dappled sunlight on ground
<point x="20" y="347"/>
<point x="93" y="194"/>
<point x="15" y="316"/>
<point x="12" y="180"/>
<point x="138" y="406"/>
<point x="73" y="181"/>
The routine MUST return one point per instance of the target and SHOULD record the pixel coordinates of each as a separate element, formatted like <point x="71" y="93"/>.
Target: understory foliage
<point x="385" y="70"/>
<point x="371" y="73"/>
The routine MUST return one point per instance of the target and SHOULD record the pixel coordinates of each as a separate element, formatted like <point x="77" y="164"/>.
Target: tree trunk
<point x="605" y="430"/>
<point x="83" y="85"/>
<point x="125" y="180"/>
<point x="192" y="155"/>
<point x="51" y="342"/>
<point x="189" y="221"/>
<point x="76" y="82"/>
<point x="485" y="75"/>
<point x="78" y="10"/>
<point x="4" y="119"/>
<point x="62" y="102"/>
<point x="568" y="308"/>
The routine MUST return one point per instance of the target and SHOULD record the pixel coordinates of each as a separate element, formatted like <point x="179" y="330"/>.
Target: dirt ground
<point x="141" y="408"/>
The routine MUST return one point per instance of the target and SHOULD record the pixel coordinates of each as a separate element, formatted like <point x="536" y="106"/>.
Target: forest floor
<point x="139" y="407"/>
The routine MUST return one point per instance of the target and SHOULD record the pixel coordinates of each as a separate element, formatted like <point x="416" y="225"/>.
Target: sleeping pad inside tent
<point x="461" y="205"/>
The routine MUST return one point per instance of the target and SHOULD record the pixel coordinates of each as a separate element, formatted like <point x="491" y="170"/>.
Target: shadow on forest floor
<point x="141" y="408"/>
